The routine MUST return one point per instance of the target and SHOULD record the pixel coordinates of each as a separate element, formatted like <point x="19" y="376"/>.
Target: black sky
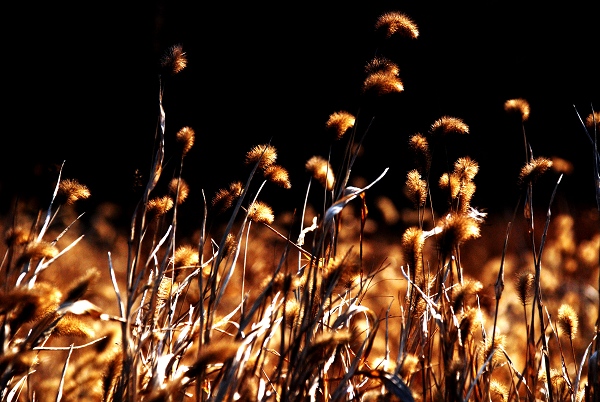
<point x="82" y="87"/>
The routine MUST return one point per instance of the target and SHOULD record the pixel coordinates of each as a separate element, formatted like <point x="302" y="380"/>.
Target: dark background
<point x="81" y="85"/>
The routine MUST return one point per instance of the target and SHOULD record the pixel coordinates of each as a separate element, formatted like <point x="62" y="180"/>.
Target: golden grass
<point x="325" y="304"/>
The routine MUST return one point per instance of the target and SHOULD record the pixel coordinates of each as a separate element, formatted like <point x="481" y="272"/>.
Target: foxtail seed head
<point x="396" y="23"/>
<point x="321" y="170"/>
<point x="519" y="107"/>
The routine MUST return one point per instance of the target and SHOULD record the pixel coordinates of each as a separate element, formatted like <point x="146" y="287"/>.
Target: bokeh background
<point x="82" y="87"/>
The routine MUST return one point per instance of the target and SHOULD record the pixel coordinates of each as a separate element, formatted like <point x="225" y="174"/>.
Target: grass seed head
<point x="451" y="183"/>
<point x="279" y="175"/>
<point x="260" y="212"/>
<point x="533" y="170"/>
<point x="185" y="138"/>
<point x="38" y="250"/>
<point x="456" y="229"/>
<point x="486" y="350"/>
<point x="224" y="198"/>
<point x="592" y="121"/>
<point x="23" y="305"/>
<point x="265" y="155"/>
<point x="567" y="321"/>
<point x="416" y="188"/>
<point x="179" y="190"/>
<point x="230" y="245"/>
<point x="382" y="83"/>
<point x="345" y="271"/>
<point x="396" y="23"/>
<point x="560" y="386"/>
<point x="321" y="170"/>
<point x="174" y="60"/>
<point x="410" y="365"/>
<point x="519" y="107"/>
<point x="185" y="256"/>
<point x="466" y="168"/>
<point x="422" y="155"/>
<point x="339" y="123"/>
<point x="498" y="391"/>
<point x="447" y="125"/>
<point x="72" y="325"/>
<point x="413" y="242"/>
<point x="524" y="282"/>
<point x="382" y="64"/>
<point x="217" y="351"/>
<point x="560" y="165"/>
<point x="159" y="206"/>
<point x="471" y="320"/>
<point x="70" y="191"/>
<point x="469" y="287"/>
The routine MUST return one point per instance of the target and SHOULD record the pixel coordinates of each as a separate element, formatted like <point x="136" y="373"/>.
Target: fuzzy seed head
<point x="261" y="212"/>
<point x="413" y="242"/>
<point x="225" y="197"/>
<point x="265" y="155"/>
<point x="72" y="325"/>
<point x="396" y="23"/>
<point x="165" y="289"/>
<point x="517" y="106"/>
<point x="533" y="170"/>
<point x="70" y="191"/>
<point x="381" y="64"/>
<point x="499" y="345"/>
<point x="339" y="122"/>
<point x="230" y="244"/>
<point x="410" y="365"/>
<point x="185" y="137"/>
<point x="321" y="170"/>
<point x="456" y="229"/>
<point x="467" y="190"/>
<point x="560" y="165"/>
<point x="179" y="189"/>
<point x="450" y="182"/>
<point x="420" y="148"/>
<point x="472" y="319"/>
<point x="524" y="282"/>
<point x="215" y="352"/>
<point x="416" y="188"/>
<point x="446" y="125"/>
<point x="560" y="387"/>
<point x="329" y="340"/>
<point x="466" y="168"/>
<point x="592" y="121"/>
<point x="344" y="271"/>
<point x="279" y="175"/>
<point x="293" y="312"/>
<point x="382" y="83"/>
<point x="26" y="305"/>
<point x="498" y="391"/>
<point x="468" y="288"/>
<point x="186" y="256"/>
<point x="160" y="205"/>
<point x="567" y="320"/>
<point x="174" y="60"/>
<point x="39" y="250"/>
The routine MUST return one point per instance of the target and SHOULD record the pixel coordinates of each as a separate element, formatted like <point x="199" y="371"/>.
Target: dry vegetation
<point x="314" y="305"/>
